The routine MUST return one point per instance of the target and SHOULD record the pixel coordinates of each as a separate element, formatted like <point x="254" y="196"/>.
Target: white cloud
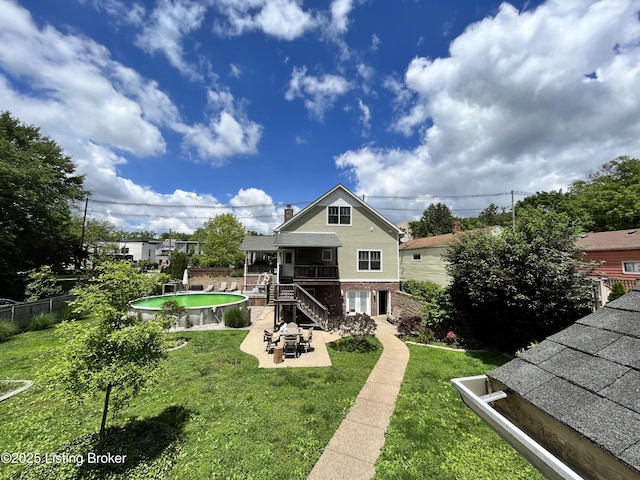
<point x="513" y="106"/>
<point x="235" y="71"/>
<point x="228" y="131"/>
<point x="256" y="210"/>
<point x="283" y="19"/>
<point x="103" y="114"/>
<point x="375" y="43"/>
<point x="340" y="10"/>
<point x="365" y="118"/>
<point x="319" y="93"/>
<point x="169" y="22"/>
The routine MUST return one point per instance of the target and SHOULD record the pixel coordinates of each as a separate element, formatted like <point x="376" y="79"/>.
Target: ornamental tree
<point x="120" y="354"/>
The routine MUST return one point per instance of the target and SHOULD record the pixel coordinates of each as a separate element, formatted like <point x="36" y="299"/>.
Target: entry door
<point x="383" y="302"/>
<point x="288" y="262"/>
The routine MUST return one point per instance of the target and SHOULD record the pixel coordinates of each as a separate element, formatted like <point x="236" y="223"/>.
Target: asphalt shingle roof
<point x="588" y="377"/>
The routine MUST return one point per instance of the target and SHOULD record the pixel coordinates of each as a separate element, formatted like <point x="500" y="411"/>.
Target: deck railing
<point x="315" y="272"/>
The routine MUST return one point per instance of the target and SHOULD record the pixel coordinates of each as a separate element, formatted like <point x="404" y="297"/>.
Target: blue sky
<point x="178" y="110"/>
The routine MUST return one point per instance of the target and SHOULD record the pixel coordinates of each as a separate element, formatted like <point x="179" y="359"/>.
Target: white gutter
<point x="475" y="393"/>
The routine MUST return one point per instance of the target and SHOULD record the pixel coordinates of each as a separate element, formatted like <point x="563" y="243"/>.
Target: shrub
<point x="359" y="326"/>
<point x="7" y="329"/>
<point x="43" y="284"/>
<point x="436" y="305"/>
<point x="237" y="317"/>
<point x="416" y="328"/>
<point x="617" y="290"/>
<point x="42" y="321"/>
<point x="170" y="313"/>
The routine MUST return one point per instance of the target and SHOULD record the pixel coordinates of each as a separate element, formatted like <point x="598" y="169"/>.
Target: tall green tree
<point x="38" y="187"/>
<point x="437" y="219"/>
<point x="521" y="285"/>
<point x="222" y="237"/>
<point x="118" y="355"/>
<point x="611" y="195"/>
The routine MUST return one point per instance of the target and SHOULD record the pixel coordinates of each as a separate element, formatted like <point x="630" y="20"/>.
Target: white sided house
<point x="337" y="256"/>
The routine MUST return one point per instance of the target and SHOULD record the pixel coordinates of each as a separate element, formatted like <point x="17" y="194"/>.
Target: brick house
<point x="336" y="256"/>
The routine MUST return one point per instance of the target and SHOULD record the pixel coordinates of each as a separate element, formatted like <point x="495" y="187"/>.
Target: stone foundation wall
<point x="409" y="305"/>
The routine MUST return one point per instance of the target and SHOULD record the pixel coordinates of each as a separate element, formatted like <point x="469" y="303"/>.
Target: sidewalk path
<point x="354" y="449"/>
<point x="352" y="452"/>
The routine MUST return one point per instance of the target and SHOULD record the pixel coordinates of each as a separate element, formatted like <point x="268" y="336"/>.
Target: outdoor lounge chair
<point x="268" y="338"/>
<point x="291" y="345"/>
<point x="223" y="287"/>
<point x="208" y="288"/>
<point x="395" y="315"/>
<point x="232" y="288"/>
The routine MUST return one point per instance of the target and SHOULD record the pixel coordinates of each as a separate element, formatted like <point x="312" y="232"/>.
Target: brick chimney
<point x="288" y="213"/>
<point x="457" y="227"/>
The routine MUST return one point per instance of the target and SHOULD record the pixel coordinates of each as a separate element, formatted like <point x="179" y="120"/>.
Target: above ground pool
<point x="201" y="308"/>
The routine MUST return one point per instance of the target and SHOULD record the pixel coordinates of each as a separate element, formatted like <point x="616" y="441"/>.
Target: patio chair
<point x="208" y="288"/>
<point x="395" y="315"/>
<point x="291" y="345"/>
<point x="305" y="340"/>
<point x="223" y="287"/>
<point x="232" y="288"/>
<point x="268" y="338"/>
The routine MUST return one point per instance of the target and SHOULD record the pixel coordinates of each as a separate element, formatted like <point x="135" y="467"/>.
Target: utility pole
<point x="83" y="258"/>
<point x="513" y="211"/>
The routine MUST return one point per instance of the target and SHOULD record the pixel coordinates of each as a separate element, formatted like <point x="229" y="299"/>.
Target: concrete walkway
<point x="355" y="447"/>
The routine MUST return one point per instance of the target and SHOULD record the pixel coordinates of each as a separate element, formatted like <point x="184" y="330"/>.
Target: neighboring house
<point x="575" y="394"/>
<point x="336" y="256"/>
<point x="619" y="251"/>
<point x="139" y="250"/>
<point x="421" y="258"/>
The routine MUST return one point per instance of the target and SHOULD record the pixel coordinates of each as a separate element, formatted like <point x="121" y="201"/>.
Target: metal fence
<point x="20" y="314"/>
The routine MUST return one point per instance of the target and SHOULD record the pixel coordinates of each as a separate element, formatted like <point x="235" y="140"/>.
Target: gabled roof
<point x="617" y="240"/>
<point x="588" y="377"/>
<point x="352" y="195"/>
<point x="258" y="243"/>
<point x="300" y="239"/>
<point x="271" y="243"/>
<point x="427" y="242"/>
<point x="443" y="240"/>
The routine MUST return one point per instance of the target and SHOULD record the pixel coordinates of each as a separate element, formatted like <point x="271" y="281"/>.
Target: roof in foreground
<point x="616" y="240"/>
<point x="588" y="377"/>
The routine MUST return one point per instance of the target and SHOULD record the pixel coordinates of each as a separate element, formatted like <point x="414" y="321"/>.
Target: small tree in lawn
<point x="120" y="354"/>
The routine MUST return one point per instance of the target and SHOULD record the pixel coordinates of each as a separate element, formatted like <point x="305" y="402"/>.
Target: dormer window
<point x="339" y="215"/>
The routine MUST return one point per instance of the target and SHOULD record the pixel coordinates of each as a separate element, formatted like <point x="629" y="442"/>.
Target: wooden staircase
<point x="294" y="294"/>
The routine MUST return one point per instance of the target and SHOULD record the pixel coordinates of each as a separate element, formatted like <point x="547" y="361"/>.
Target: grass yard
<point x="433" y="435"/>
<point x="232" y="419"/>
<point x="214" y="414"/>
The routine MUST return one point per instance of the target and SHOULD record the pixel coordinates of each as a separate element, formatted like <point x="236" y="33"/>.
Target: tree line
<point x="609" y="199"/>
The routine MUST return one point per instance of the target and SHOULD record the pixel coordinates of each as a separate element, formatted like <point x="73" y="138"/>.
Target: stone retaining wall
<point x="409" y="305"/>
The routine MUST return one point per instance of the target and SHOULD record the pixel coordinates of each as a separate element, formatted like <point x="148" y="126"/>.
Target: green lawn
<point x="214" y="414"/>
<point x="433" y="435"/>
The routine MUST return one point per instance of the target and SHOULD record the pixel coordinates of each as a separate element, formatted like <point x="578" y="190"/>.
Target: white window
<point x="369" y="260"/>
<point x="327" y="255"/>
<point x="631" y="267"/>
<point x="339" y="215"/>
<point x="417" y="257"/>
<point x="358" y="302"/>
